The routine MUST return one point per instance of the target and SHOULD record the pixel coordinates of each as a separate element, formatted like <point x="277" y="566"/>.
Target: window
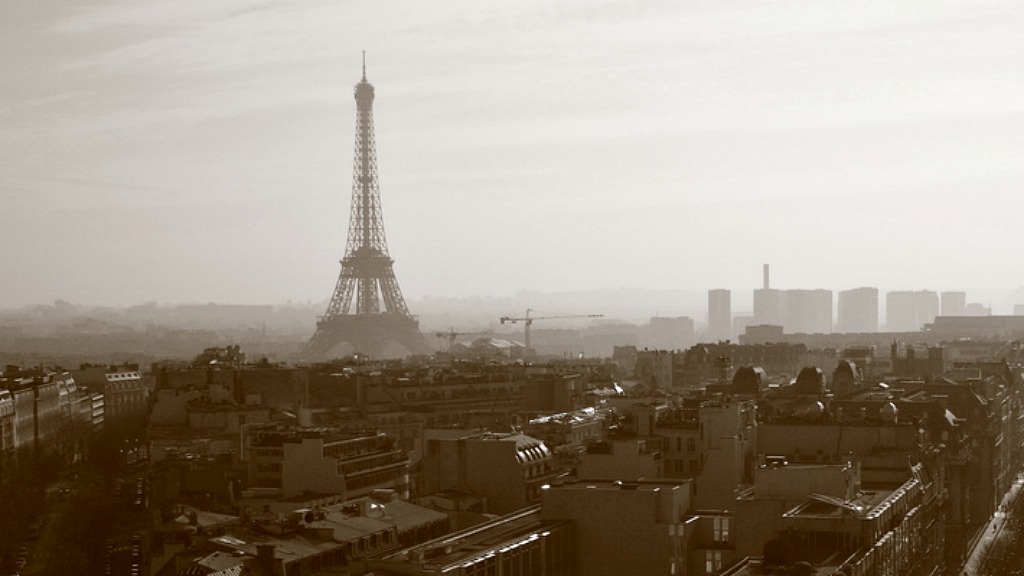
<point x="691" y="445"/>
<point x="712" y="561"/>
<point x="720" y="532"/>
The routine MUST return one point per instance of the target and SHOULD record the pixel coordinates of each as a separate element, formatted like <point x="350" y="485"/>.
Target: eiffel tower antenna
<point x="367" y="280"/>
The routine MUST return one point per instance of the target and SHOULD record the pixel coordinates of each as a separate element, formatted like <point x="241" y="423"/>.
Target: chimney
<point x="765" y="276"/>
<point x="265" y="554"/>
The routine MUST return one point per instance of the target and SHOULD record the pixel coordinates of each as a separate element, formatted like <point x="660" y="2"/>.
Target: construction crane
<point x="451" y="335"/>
<point x="527" y="321"/>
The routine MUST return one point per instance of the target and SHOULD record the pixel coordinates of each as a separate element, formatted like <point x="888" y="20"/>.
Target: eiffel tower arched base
<point x="375" y="335"/>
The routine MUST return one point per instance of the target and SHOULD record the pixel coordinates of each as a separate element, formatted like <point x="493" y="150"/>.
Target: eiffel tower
<point x="381" y="318"/>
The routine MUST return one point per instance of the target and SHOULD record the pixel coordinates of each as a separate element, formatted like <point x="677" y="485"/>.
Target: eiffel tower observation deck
<point x="367" y="313"/>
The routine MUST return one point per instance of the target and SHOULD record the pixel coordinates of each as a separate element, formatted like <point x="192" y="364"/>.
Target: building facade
<point x="324" y="461"/>
<point x="858" y="311"/>
<point x="807" y="311"/>
<point x="719" y="314"/>
<point x="505" y="470"/>
<point x="909" y="311"/>
<point x="654" y="368"/>
<point x="650" y="516"/>
<point x="953" y="303"/>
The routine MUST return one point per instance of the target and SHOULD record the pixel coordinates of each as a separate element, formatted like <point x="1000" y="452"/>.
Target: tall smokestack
<point x="765" y="276"/>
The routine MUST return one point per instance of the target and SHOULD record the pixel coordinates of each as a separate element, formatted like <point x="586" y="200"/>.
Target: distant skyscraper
<point x="807" y="311"/>
<point x="768" y="306"/>
<point x="797" y="311"/>
<point x="767" y="303"/>
<point x="858" y="311"/>
<point x="954" y="303"/>
<point x="909" y="311"/>
<point x="719" y="314"/>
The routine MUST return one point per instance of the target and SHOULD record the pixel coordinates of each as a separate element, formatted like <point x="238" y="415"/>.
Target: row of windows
<point x="356" y="447"/>
<point x="685" y="466"/>
<point x="538" y="469"/>
<point x="459" y="393"/>
<point x="691" y="444"/>
<point x="383" y="477"/>
<point x="124" y="376"/>
<point x="126" y="399"/>
<point x="371" y="462"/>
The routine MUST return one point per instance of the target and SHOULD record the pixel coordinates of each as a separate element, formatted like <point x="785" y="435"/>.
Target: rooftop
<point x="119" y="376"/>
<point x="287" y="547"/>
<point x="463" y="546"/>
<point x="618" y="485"/>
<point x="356" y="518"/>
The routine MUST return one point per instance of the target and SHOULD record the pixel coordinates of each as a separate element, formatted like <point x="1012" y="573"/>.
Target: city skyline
<point x="629" y="306"/>
<point x="179" y="151"/>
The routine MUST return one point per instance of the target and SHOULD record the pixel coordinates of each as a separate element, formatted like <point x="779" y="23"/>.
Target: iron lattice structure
<point x="367" y="279"/>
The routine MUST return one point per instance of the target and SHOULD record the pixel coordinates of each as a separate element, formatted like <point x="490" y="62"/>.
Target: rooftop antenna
<point x="364" y="65"/>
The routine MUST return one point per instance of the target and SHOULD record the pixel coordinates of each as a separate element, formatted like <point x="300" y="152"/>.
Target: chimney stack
<point x="265" y="554"/>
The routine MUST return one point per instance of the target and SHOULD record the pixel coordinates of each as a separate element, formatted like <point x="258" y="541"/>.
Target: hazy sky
<point x="198" y="150"/>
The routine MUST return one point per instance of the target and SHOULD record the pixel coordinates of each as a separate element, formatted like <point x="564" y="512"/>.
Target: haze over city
<point x="188" y="151"/>
<point x="694" y="288"/>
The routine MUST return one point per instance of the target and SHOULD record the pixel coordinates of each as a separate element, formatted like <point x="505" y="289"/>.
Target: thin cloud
<point x="41" y="102"/>
<point x="154" y="13"/>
